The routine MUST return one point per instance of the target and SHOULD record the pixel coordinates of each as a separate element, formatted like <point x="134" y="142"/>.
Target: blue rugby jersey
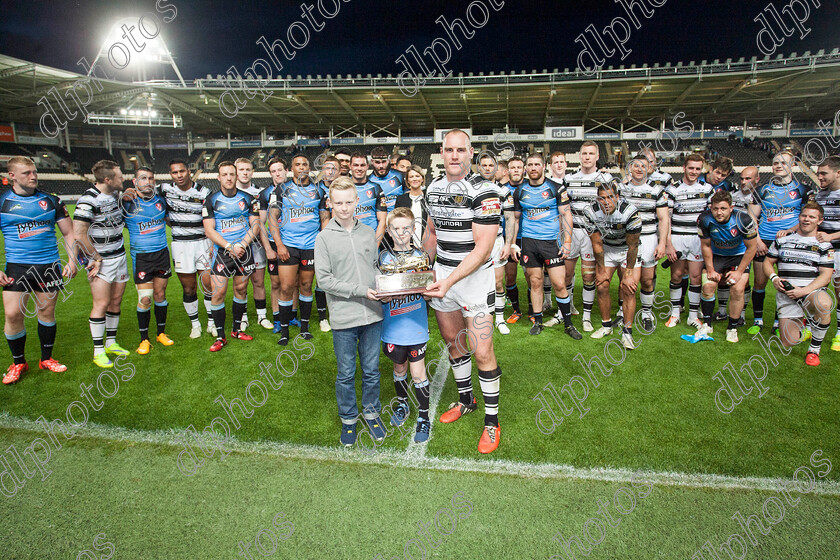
<point x="405" y="318"/>
<point x="727" y="238"/>
<point x="145" y="221"/>
<point x="299" y="206"/>
<point x="231" y="213"/>
<point x="780" y="206"/>
<point x="391" y="185"/>
<point x="371" y="201"/>
<point x="28" y="226"/>
<point x="540" y="205"/>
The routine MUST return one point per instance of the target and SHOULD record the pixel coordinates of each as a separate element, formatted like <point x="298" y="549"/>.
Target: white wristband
<point x="515" y="247"/>
<point x="773" y="277"/>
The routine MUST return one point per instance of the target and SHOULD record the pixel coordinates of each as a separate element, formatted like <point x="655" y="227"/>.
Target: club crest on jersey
<point x="42" y="204"/>
<point x="734" y="231"/>
<point x="159" y="206"/>
<point x="545" y="194"/>
<point x="242" y="205"/>
<point x="369" y="193"/>
<point x="792" y="194"/>
<point x="392" y="182"/>
<point x="525" y="258"/>
<point x="219" y="267"/>
<point x="141" y="275"/>
<point x="390" y="348"/>
<point x="458" y="199"/>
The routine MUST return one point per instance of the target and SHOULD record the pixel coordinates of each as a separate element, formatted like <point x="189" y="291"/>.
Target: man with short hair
<point x="614" y="227"/>
<point x="719" y="174"/>
<point x="389" y="181"/>
<point x="502" y="175"/>
<point x="192" y="252"/>
<point x="403" y="164"/>
<point x="370" y="208"/>
<point x="277" y="169"/>
<point x="805" y="267"/>
<point x="728" y="241"/>
<point x="145" y="220"/>
<point x="828" y="174"/>
<point x="516" y="174"/>
<point x="501" y="248"/>
<point x="582" y="187"/>
<point x="27" y="220"/>
<point x="689" y="198"/>
<point x="231" y="222"/>
<point x="98" y="224"/>
<point x="463" y="225"/>
<point x="244" y="173"/>
<point x="343" y="157"/>
<point x="543" y="207"/>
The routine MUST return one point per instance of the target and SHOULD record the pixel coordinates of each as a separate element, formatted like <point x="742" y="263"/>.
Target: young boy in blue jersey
<point x="405" y="329"/>
<point x="145" y="219"/>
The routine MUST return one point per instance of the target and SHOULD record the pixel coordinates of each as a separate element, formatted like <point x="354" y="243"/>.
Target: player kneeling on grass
<point x="805" y="268"/>
<point x="231" y="222"/>
<point x="345" y="253"/>
<point x="728" y="241"/>
<point x="614" y="227"/>
<point x="405" y="329"/>
<point x="145" y="219"/>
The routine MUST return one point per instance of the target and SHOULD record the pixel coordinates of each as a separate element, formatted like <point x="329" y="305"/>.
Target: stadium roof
<point x="805" y="88"/>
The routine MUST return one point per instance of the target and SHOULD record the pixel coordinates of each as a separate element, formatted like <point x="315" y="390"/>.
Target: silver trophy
<point x="403" y="272"/>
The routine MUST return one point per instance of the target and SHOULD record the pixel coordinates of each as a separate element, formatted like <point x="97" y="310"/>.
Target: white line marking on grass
<point x="417" y="451"/>
<point x="174" y="438"/>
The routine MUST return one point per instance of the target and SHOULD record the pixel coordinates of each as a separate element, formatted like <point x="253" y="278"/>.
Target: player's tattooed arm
<point x="510" y="225"/>
<point x="632" y="249"/>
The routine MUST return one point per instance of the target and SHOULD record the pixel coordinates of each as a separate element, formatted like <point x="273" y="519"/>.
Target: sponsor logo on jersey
<point x="490" y="206"/>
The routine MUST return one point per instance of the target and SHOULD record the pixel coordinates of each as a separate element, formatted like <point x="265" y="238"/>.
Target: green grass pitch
<point x="655" y="412"/>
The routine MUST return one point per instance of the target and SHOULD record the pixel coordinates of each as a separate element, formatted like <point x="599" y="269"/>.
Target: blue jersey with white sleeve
<point x="780" y="205"/>
<point x="727" y="237"/>
<point x="405" y="318"/>
<point x="540" y="206"/>
<point x="145" y="220"/>
<point x="28" y="226"/>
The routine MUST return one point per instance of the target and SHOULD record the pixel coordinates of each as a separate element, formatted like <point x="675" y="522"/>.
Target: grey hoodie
<point x="345" y="269"/>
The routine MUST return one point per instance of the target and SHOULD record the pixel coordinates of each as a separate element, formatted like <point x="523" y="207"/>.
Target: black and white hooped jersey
<point x="104" y="214"/>
<point x="688" y="202"/>
<point x="830" y="201"/>
<point x="658" y="177"/>
<point x="646" y="197"/>
<point x="582" y="189"/>
<point x="801" y="258"/>
<point x="453" y="207"/>
<point x="184" y="210"/>
<point x="506" y="197"/>
<point x="614" y="227"/>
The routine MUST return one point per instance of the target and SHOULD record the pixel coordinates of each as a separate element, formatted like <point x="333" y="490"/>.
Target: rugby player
<point x="719" y="173"/>
<point x="231" y="222"/>
<point x="463" y="225"/>
<point x="277" y="169"/>
<point x="405" y="330"/>
<point x="27" y="220"/>
<point x="828" y="174"/>
<point x="805" y="267"/>
<point x="390" y="181"/>
<point x="370" y="209"/>
<point x="516" y="174"/>
<point x="502" y="245"/>
<point x="244" y="173"/>
<point x="776" y="205"/>
<point x="145" y="220"/>
<point x="343" y="157"/>
<point x="558" y="166"/>
<point x="543" y="207"/>
<point x="651" y="200"/>
<point x="294" y="221"/>
<point x="191" y="250"/>
<point x="742" y="196"/>
<point x="98" y="225"/>
<point x="582" y="188"/>
<point x="690" y="198"/>
<point x="403" y="164"/>
<point x="614" y="228"/>
<point x="728" y="241"/>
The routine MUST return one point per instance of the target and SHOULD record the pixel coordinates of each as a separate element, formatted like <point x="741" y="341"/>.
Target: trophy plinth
<point x="403" y="274"/>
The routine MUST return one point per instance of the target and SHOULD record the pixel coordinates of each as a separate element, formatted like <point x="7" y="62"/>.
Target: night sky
<point x="209" y="36"/>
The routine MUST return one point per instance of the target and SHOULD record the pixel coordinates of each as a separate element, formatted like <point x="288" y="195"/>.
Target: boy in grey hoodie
<point x="345" y="257"/>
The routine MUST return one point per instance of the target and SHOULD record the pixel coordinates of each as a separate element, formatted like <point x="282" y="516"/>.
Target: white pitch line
<point x="417" y="451"/>
<point x="174" y="438"/>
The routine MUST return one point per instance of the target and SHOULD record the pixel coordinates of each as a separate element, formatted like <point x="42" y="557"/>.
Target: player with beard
<point x="516" y="174"/>
<point x="828" y="174"/>
<point x="278" y="172"/>
<point x="370" y="209"/>
<point x="390" y="181"/>
<point x="244" y="174"/>
<point x="343" y="157"/>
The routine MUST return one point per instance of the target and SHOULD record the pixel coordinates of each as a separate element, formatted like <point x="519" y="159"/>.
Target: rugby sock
<point x="570" y="287"/>
<point x="191" y="307"/>
<point x="160" y="316"/>
<point x="676" y="298"/>
<point x="238" y="311"/>
<point x="708" y="307"/>
<point x="547" y="289"/>
<point x="112" y="321"/>
<point x="606" y="324"/>
<point x="97" y="331"/>
<point x="694" y="302"/>
<point x="647" y="303"/>
<point x="513" y="296"/>
<point x="489" y="381"/>
<point x="275" y="315"/>
<point x="683" y="288"/>
<point x="208" y="306"/>
<point x="627" y="330"/>
<point x="530" y="305"/>
<point x="401" y="387"/>
<point x="620" y="312"/>
<point x="219" y="320"/>
<point x="17" y="344"/>
<point x="588" y="300"/>
<point x="285" y="310"/>
<point x="818" y="331"/>
<point x="500" y="307"/>
<point x="144" y="317"/>
<point x="758" y="304"/>
<point x="462" y="371"/>
<point x="733" y="324"/>
<point x="305" y="312"/>
<point x="723" y="298"/>
<point x="564" y="306"/>
<point x="747" y="298"/>
<point x="538" y="318"/>
<point x="421" y="391"/>
<point x="260" y="305"/>
<point x="321" y="303"/>
<point x="46" y="334"/>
